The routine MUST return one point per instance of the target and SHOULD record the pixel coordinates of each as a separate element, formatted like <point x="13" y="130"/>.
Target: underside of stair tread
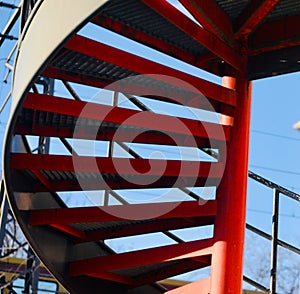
<point x="137" y="15"/>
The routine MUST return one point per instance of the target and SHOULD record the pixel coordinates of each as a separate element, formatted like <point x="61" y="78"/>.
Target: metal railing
<point x="275" y="241"/>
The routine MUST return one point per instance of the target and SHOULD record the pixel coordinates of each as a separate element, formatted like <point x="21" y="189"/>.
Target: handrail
<point x="273" y="185"/>
<point x="277" y="191"/>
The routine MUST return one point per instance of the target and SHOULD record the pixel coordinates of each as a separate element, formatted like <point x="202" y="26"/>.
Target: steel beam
<point x="127" y="117"/>
<point x="252" y="16"/>
<point x="146" y="39"/>
<point x="212" y="17"/>
<point x="193" y="249"/>
<point x="141" y="65"/>
<point x="114" y="165"/>
<point x="157" y="173"/>
<point x="124" y="230"/>
<point x="210" y="64"/>
<point x="223" y="102"/>
<point x="157" y="226"/>
<point x="202" y="36"/>
<point x="116" y="183"/>
<point x="123" y="135"/>
<point x="230" y="221"/>
<point x="115" y="212"/>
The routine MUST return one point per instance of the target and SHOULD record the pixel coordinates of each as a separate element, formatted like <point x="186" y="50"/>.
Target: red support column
<point x="228" y="250"/>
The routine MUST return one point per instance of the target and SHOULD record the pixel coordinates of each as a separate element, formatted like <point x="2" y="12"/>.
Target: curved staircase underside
<point x="66" y="44"/>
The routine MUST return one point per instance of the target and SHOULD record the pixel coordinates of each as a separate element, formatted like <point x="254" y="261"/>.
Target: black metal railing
<point x="275" y="241"/>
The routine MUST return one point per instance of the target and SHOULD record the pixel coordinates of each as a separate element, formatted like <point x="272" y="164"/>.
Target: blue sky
<point x="274" y="144"/>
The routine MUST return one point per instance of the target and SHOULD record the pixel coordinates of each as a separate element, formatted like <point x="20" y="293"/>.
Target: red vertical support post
<point x="228" y="250"/>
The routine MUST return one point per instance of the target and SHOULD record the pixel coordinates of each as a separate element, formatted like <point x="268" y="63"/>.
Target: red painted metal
<point x="124" y="135"/>
<point x="119" y="182"/>
<point x="42" y="179"/>
<point x="209" y="64"/>
<point x="124" y="230"/>
<point x="252" y="16"/>
<point x="275" y="34"/>
<point x="144" y="120"/>
<point x="199" y="287"/>
<point x="205" y="38"/>
<point x="146" y="39"/>
<point x="156" y="173"/>
<point x="212" y="17"/>
<point x="108" y="165"/>
<point x="141" y="65"/>
<point x="78" y="234"/>
<point x="158" y="226"/>
<point x="224" y="100"/>
<point x="227" y="259"/>
<point x="193" y="249"/>
<point x="115" y="277"/>
<point x="114" y="213"/>
<point x="156" y="275"/>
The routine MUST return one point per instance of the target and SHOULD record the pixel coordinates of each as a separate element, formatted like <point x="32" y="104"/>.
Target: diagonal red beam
<point x="252" y="16"/>
<point x="44" y="181"/>
<point x="146" y="39"/>
<point x="275" y="34"/>
<point x="115" y="212"/>
<point x="140" y="65"/>
<point x="106" y="275"/>
<point x="202" y="36"/>
<point x="144" y="257"/>
<point x="212" y="17"/>
<point x="78" y="234"/>
<point x="206" y="62"/>
<point x="122" y="116"/>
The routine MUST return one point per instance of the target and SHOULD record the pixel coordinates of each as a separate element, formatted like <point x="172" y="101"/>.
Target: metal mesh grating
<point x="233" y="7"/>
<point x="79" y="63"/>
<point x="284" y="9"/>
<point x="138" y="15"/>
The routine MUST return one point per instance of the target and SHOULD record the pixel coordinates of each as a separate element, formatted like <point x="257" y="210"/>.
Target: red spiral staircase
<point x="225" y="38"/>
